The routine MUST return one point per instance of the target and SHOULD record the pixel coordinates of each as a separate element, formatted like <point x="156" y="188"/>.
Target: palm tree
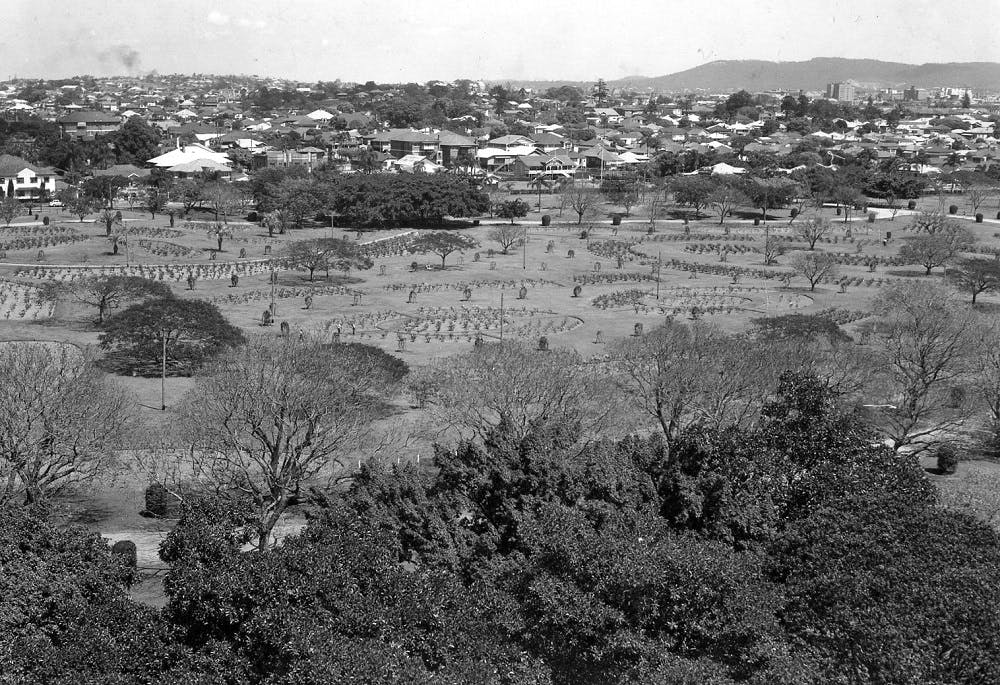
<point x="538" y="183"/>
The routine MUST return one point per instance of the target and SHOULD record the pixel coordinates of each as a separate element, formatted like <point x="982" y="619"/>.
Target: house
<point x="188" y="153"/>
<point x="309" y="157"/>
<point x="443" y="147"/>
<point x="415" y="164"/>
<point x="507" y="142"/>
<point x="85" y="124"/>
<point x="544" y="166"/>
<point x="605" y="116"/>
<point x="198" y="167"/>
<point x="131" y="173"/>
<point x="27" y="181"/>
<point x="550" y="142"/>
<point x="498" y="160"/>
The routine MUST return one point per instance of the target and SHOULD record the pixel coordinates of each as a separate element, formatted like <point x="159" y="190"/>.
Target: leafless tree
<point x="925" y="335"/>
<point x="727" y="198"/>
<point x="977" y="196"/>
<point x="583" y="200"/>
<point x="931" y="250"/>
<point x="61" y="420"/>
<point x="774" y="247"/>
<point x="814" y="266"/>
<point x="506" y="236"/>
<point x="679" y="375"/>
<point x="811" y="230"/>
<point x="273" y="414"/>
<point x="468" y="395"/>
<point x="892" y="203"/>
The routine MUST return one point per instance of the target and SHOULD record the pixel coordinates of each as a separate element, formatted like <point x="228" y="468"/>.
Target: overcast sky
<point x="420" y="40"/>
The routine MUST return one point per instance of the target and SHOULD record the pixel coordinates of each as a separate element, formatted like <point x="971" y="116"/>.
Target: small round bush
<point x="126" y="549"/>
<point x="159" y="501"/>
<point x="947" y="459"/>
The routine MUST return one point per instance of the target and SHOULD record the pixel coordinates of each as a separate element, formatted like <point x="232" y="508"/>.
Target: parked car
<point x="56" y="203"/>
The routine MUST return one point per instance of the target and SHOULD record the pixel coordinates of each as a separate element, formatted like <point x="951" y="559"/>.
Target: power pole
<point x="163" y="373"/>
<point x="501" y="317"/>
<point x="659" y="265"/>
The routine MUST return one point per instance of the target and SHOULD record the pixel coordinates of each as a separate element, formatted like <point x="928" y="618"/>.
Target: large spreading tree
<point x="190" y="332"/>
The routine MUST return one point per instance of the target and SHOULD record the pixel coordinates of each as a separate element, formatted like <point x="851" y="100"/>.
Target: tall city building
<point x="840" y="91"/>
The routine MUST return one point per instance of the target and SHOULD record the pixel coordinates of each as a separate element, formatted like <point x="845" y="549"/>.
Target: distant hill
<point x="814" y="74"/>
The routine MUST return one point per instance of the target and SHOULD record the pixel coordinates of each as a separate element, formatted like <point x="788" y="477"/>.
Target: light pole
<point x="163" y="372"/>
<point x="659" y="265"/>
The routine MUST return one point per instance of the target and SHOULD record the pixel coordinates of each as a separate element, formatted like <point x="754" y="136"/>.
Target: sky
<point x="421" y="40"/>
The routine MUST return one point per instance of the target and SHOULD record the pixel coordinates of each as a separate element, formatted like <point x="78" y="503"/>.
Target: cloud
<point x="217" y="18"/>
<point x="251" y="23"/>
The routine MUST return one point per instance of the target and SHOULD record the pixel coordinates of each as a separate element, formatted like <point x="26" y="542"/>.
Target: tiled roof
<point x="89" y="117"/>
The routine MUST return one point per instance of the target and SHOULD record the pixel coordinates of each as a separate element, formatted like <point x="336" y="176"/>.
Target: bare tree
<point x="506" y="236"/>
<point x="727" y="198"/>
<point x="773" y="248"/>
<point x="931" y="250"/>
<point x="61" y="420"/>
<point x="975" y="275"/>
<point x="469" y="395"/>
<point x="892" y="203"/>
<point x="925" y="335"/>
<point x="583" y="200"/>
<point x="814" y="266"/>
<point x="273" y="414"/>
<point x="811" y="230"/>
<point x="977" y="196"/>
<point x="679" y="375"/>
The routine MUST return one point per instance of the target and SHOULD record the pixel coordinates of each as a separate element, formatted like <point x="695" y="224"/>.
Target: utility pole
<point x="274" y="278"/>
<point x="524" y="250"/>
<point x="659" y="265"/>
<point x="163" y="373"/>
<point x="501" y="317"/>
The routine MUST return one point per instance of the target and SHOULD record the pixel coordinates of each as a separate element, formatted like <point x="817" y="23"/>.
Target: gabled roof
<point x="12" y="166"/>
<point x="197" y="165"/>
<point x="511" y="140"/>
<point x="188" y="153"/>
<point x="125" y="170"/>
<point x="85" y="116"/>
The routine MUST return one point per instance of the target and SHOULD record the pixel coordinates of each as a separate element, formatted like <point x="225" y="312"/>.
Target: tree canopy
<point x="194" y="331"/>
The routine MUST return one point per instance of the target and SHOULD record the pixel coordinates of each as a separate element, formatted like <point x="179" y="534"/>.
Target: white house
<point x="27" y="181"/>
<point x="189" y="153"/>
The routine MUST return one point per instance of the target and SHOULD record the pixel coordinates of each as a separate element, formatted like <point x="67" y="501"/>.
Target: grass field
<point x="423" y="314"/>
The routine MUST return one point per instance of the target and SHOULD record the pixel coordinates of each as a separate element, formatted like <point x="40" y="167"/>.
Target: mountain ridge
<point x="812" y="74"/>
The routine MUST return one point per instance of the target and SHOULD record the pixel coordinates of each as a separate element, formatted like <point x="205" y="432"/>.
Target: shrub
<point x="160" y="503"/>
<point x="947" y="459"/>
<point x="45" y="221"/>
<point x="126" y="549"/>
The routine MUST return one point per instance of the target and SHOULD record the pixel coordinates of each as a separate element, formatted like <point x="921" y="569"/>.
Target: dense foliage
<point x="798" y="552"/>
